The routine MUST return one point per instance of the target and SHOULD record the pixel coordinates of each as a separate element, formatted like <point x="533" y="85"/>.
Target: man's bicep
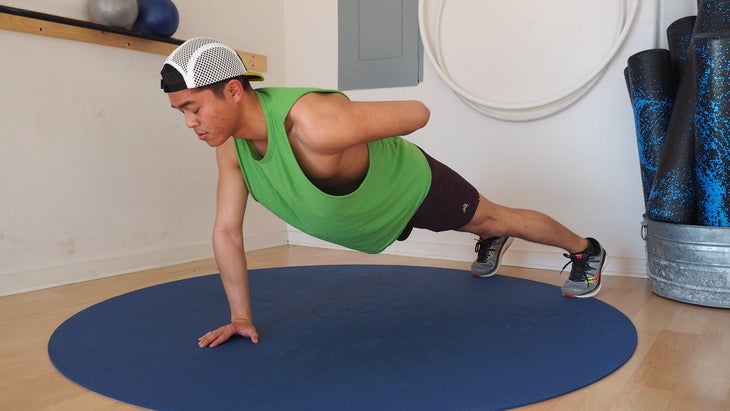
<point x="232" y="193"/>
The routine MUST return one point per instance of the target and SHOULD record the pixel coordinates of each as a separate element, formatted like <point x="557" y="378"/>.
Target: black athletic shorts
<point x="450" y="203"/>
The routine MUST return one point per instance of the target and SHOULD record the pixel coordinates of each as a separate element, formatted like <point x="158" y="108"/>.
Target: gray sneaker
<point x="585" y="274"/>
<point x="489" y="256"/>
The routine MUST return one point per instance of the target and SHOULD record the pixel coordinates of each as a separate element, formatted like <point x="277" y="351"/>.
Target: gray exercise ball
<point x="115" y="13"/>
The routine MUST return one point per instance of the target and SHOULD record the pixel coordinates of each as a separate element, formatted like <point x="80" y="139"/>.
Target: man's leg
<point x="496" y="225"/>
<point x="493" y="220"/>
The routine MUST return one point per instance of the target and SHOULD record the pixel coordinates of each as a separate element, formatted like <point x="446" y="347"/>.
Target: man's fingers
<point x="217" y="337"/>
<point x="220" y="337"/>
<point x="211" y="338"/>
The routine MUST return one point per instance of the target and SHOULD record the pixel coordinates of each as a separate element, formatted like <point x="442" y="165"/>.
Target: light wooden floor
<point x="682" y="361"/>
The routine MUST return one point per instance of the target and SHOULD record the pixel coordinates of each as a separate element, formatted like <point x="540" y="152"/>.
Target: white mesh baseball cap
<point x="202" y="61"/>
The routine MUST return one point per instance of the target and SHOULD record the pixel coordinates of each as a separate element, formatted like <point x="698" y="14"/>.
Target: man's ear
<point x="234" y="88"/>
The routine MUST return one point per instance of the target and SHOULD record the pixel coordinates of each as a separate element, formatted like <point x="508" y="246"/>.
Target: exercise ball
<point x="157" y="17"/>
<point x="115" y="13"/>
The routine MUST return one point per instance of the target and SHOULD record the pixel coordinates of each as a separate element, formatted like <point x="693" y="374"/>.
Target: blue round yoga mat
<point x="346" y="337"/>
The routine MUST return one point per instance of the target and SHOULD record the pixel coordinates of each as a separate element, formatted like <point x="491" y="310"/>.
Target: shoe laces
<point x="579" y="268"/>
<point x="486" y="249"/>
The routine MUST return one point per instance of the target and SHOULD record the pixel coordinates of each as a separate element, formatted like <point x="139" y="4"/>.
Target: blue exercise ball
<point x="157" y="17"/>
<point x="115" y="13"/>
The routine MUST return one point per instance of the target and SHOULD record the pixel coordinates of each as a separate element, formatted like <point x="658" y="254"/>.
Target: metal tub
<point x="689" y="263"/>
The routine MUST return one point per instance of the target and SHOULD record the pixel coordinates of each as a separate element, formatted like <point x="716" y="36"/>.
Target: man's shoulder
<point x="280" y="92"/>
<point x="226" y="155"/>
<point x="315" y="98"/>
<point x="284" y="100"/>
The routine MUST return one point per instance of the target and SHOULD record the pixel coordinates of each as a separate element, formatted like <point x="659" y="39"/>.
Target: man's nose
<point x="191" y="120"/>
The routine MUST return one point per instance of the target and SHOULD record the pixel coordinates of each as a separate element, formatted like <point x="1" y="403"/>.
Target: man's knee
<point x="489" y="220"/>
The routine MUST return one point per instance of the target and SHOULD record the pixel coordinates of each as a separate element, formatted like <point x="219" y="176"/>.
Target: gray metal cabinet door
<point x="379" y="44"/>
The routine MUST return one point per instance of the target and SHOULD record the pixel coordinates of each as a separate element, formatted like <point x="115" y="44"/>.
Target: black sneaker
<point x="585" y="274"/>
<point x="489" y="256"/>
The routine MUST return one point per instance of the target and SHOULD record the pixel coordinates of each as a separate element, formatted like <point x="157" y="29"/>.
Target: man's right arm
<point x="228" y="248"/>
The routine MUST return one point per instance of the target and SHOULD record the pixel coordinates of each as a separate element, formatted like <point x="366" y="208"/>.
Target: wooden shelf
<point x="31" y="22"/>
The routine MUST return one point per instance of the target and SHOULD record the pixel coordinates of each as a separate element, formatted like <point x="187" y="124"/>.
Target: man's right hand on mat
<point x="238" y="326"/>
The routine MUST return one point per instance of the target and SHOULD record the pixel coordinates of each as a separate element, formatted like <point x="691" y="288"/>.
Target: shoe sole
<point x="598" y="287"/>
<point x="499" y="259"/>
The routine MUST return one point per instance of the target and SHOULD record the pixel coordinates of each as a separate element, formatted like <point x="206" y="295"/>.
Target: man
<point x="333" y="168"/>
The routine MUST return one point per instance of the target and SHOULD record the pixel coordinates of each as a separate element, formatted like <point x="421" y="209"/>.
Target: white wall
<point x="98" y="175"/>
<point x="579" y="166"/>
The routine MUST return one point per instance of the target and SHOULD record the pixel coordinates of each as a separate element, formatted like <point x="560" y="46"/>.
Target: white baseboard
<point x="451" y="246"/>
<point x="460" y="247"/>
<point x="46" y="277"/>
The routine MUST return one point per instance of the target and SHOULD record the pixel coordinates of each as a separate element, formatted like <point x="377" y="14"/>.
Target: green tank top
<point x="368" y="219"/>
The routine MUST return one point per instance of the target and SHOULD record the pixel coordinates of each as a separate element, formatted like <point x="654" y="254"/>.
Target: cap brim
<point x="254" y="76"/>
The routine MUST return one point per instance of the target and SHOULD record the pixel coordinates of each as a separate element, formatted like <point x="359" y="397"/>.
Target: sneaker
<point x="489" y="256"/>
<point x="585" y="274"/>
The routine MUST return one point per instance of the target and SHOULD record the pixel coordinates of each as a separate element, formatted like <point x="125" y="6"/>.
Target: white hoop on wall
<point x="529" y="110"/>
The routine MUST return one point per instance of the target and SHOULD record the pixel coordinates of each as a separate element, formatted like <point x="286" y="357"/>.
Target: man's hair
<point x="218" y="88"/>
<point x="173" y="80"/>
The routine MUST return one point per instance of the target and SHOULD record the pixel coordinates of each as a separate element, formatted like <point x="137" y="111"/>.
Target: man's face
<point x="211" y="117"/>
